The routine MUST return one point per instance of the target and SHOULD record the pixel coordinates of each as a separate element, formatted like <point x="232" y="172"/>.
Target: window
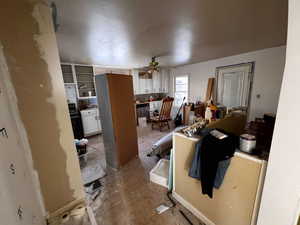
<point x="181" y="89"/>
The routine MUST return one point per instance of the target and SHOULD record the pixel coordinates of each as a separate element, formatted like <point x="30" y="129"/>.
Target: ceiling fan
<point x="149" y="70"/>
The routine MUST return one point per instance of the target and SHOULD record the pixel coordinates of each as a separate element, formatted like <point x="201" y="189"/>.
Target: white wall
<point x="18" y="187"/>
<point x="269" y="67"/>
<point x="281" y="195"/>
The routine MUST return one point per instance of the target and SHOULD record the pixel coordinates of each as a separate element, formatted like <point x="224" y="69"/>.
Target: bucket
<point x="247" y="143"/>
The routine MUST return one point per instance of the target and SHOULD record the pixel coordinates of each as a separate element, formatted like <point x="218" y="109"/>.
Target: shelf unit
<point x="82" y="76"/>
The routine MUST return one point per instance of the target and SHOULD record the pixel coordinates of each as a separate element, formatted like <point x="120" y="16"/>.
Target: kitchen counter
<point x="237" y="152"/>
<point x="148" y="102"/>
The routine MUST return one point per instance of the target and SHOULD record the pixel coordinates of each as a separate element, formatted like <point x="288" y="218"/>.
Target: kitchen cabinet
<point x="85" y="81"/>
<point x="145" y="86"/>
<point x="71" y="93"/>
<point x="156" y="80"/>
<point x="67" y="73"/>
<point x="91" y="122"/>
<point x="164" y="80"/>
<point x="158" y="84"/>
<point x="82" y="77"/>
<point x="135" y="80"/>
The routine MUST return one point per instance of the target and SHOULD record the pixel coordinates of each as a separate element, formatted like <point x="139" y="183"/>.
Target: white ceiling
<point x="127" y="33"/>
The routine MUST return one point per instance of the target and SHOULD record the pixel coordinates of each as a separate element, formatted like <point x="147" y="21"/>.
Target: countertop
<point x="254" y="157"/>
<point x="148" y="102"/>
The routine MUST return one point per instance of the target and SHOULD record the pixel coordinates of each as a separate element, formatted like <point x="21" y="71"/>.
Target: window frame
<point x="188" y="87"/>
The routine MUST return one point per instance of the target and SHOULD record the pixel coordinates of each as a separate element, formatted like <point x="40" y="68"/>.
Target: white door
<point x="19" y="204"/>
<point x="234" y="85"/>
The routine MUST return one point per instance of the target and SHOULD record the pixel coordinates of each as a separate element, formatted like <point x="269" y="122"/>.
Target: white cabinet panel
<point x="142" y="86"/>
<point x="156" y="79"/>
<point x="90" y="121"/>
<point x="165" y="80"/>
<point x="71" y="93"/>
<point x="158" y="84"/>
<point x="135" y="79"/>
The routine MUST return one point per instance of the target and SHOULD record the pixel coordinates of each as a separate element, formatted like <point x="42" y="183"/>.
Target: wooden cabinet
<point x="117" y="112"/>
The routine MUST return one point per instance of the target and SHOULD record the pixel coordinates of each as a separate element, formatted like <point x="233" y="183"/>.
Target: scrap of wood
<point x="91" y="215"/>
<point x="210" y="89"/>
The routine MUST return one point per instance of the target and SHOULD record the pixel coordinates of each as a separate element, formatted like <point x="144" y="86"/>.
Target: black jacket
<point x="214" y="150"/>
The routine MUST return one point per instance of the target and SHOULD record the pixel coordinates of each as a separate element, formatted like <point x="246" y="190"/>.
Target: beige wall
<point x="235" y="203"/>
<point x="281" y="194"/>
<point x="30" y="49"/>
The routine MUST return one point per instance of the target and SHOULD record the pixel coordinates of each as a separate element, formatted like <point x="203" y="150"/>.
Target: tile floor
<point x="128" y="197"/>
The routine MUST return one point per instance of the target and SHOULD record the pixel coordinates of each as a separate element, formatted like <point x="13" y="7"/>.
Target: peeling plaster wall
<point x="30" y="48"/>
<point x="19" y="191"/>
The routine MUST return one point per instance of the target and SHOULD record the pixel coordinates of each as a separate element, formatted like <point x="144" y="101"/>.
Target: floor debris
<point x="162" y="208"/>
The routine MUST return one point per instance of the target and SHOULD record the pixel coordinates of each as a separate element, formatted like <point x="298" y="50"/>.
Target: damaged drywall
<point x="29" y="45"/>
<point x="20" y="194"/>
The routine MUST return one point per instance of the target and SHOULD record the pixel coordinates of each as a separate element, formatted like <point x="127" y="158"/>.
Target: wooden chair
<point x="165" y="114"/>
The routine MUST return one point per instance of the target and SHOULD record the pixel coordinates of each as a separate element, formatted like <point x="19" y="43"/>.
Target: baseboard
<point x="192" y="209"/>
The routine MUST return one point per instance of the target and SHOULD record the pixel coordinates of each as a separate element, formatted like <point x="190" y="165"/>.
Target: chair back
<point x="166" y="107"/>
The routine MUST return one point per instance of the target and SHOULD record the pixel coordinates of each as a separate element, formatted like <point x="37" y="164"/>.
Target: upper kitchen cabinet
<point x="145" y="83"/>
<point x="103" y="70"/>
<point x="67" y="73"/>
<point x="157" y="83"/>
<point x="135" y="80"/>
<point x="85" y="81"/>
<point x="164" y="73"/>
<point x="156" y="80"/>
